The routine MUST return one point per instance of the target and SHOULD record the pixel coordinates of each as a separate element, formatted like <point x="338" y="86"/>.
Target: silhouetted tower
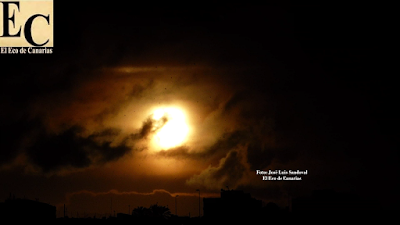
<point x="176" y="205"/>
<point x="199" y="201"/>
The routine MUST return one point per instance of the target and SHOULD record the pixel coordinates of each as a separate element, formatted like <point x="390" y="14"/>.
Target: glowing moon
<point x="175" y="129"/>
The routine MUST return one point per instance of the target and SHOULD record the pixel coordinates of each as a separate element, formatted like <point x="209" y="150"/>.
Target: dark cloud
<point x="260" y="157"/>
<point x="227" y="142"/>
<point x="228" y="173"/>
<point x="231" y="167"/>
<point x="69" y="149"/>
<point x="246" y="97"/>
<point x="139" y="90"/>
<point x="52" y="152"/>
<point x="115" y="106"/>
<point x="149" y="126"/>
<point x="181" y="152"/>
<point x="13" y="135"/>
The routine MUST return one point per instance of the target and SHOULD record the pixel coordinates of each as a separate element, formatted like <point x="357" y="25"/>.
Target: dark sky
<point x="263" y="87"/>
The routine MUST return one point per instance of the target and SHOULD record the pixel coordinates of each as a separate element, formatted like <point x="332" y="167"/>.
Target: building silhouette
<point x="25" y="209"/>
<point x="329" y="201"/>
<point x="232" y="205"/>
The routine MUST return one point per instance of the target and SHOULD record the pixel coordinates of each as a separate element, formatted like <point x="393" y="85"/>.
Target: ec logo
<point x="26" y="23"/>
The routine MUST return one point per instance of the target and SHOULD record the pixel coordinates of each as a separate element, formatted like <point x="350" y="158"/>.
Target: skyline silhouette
<point x="232" y="205"/>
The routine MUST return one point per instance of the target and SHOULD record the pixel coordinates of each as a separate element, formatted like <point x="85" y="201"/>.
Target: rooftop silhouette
<point x="26" y="209"/>
<point x="232" y="205"/>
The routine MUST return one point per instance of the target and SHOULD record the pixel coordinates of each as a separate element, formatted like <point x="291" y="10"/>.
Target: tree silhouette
<point x="160" y="211"/>
<point x="154" y="211"/>
<point x="141" y="212"/>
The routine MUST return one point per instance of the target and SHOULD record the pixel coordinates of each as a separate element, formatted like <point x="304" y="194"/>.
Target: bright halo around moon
<point x="173" y="133"/>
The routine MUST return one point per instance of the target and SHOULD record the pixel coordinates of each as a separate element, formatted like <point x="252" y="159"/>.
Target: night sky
<point x="260" y="87"/>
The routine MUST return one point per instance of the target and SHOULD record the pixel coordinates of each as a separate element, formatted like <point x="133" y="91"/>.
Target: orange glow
<point x="174" y="132"/>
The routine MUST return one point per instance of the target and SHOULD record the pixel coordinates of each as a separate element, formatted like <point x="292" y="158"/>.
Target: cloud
<point x="69" y="149"/>
<point x="224" y="144"/>
<point x="149" y="126"/>
<point x="155" y="191"/>
<point x="228" y="173"/>
<point x="259" y="157"/>
<point x="72" y="148"/>
<point x="14" y="135"/>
